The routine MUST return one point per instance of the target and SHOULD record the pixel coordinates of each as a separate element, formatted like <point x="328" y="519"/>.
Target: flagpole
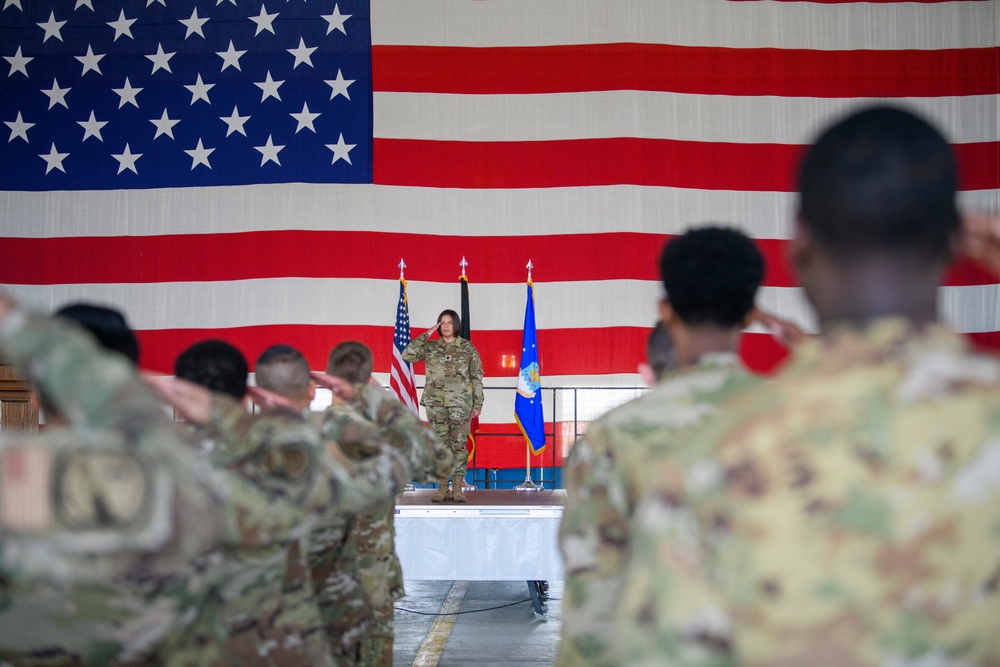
<point x="528" y="485"/>
<point x="402" y="265"/>
<point x="466" y="484"/>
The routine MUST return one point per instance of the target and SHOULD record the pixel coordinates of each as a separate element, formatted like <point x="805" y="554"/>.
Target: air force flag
<point x="528" y="401"/>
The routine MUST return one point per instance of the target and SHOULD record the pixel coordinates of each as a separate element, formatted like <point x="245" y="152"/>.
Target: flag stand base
<point x="528" y="485"/>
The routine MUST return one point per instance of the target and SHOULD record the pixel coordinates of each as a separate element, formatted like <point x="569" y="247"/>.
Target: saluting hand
<point x="980" y="239"/>
<point x="192" y="401"/>
<point x="340" y="387"/>
<point x="268" y="399"/>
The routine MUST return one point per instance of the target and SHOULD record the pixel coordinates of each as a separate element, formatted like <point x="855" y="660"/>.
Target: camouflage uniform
<point x="108" y="526"/>
<point x="850" y="515"/>
<point x="452" y="390"/>
<point x="372" y="535"/>
<point x="270" y="613"/>
<point x="605" y="477"/>
<point x="355" y="569"/>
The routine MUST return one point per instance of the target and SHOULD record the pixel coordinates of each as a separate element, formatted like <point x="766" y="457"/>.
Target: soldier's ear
<point x="667" y="313"/>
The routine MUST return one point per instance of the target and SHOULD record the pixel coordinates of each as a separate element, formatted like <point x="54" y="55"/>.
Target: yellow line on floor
<point x="430" y="650"/>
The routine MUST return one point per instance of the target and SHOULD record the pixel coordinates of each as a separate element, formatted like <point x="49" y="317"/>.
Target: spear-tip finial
<point x="529" y="266"/>
<point x="402" y="265"/>
<point x="463" y="264"/>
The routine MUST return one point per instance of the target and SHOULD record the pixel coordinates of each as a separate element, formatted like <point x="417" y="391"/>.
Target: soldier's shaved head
<point x="283" y="370"/>
<point x="351" y="361"/>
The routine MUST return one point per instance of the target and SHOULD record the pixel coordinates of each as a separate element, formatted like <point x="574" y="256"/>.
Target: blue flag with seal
<point x="528" y="401"/>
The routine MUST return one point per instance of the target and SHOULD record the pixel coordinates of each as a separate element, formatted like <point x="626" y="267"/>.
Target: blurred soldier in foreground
<point x="269" y="607"/>
<point x="221" y="368"/>
<point x="710" y="277"/>
<point x="108" y="526"/>
<point x="367" y="552"/>
<point x="108" y="325"/>
<point x="268" y="614"/>
<point x="848" y="515"/>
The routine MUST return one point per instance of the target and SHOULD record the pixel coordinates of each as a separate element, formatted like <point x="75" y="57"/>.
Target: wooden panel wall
<point x="17" y="414"/>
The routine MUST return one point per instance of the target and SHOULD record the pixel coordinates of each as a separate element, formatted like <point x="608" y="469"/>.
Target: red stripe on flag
<point x="498" y="259"/>
<point x="685" y="69"/>
<point x="621" y="161"/>
<point x="563" y="351"/>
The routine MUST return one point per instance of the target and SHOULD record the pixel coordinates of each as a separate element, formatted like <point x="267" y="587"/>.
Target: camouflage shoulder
<point x="88" y="516"/>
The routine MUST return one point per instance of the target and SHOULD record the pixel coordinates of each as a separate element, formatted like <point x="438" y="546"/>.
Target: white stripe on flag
<point x="654" y="115"/>
<point x="869" y="25"/>
<point x="542" y="211"/>
<point x="321" y="301"/>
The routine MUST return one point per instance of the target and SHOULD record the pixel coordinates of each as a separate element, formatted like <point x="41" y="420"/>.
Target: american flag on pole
<point x="401" y="380"/>
<point x="201" y="192"/>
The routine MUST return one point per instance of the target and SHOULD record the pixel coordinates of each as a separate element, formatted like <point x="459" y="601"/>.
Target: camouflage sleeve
<point x="417" y="349"/>
<point x="593" y="538"/>
<point x="270" y="474"/>
<point x="428" y="458"/>
<point x="379" y="471"/>
<point x="118" y="556"/>
<point x="476" y="378"/>
<point x="88" y="385"/>
<point x="282" y="474"/>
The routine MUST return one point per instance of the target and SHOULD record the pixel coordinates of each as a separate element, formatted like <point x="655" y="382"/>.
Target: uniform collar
<point x="882" y="340"/>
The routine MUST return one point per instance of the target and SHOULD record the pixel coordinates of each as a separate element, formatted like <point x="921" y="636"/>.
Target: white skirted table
<point x="498" y="535"/>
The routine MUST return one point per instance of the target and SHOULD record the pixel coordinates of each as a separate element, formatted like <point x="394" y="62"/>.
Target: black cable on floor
<point x="470" y="611"/>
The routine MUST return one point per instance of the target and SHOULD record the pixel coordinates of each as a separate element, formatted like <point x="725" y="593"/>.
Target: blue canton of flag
<point x="401" y="379"/>
<point x="528" y="401"/>
<point x="151" y="93"/>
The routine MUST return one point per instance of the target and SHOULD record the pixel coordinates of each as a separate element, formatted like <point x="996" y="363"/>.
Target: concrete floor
<point x="509" y="635"/>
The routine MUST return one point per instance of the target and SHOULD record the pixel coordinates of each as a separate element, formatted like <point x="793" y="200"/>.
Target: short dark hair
<point x="711" y="276"/>
<point x="351" y="361"/>
<point x="455" y="320"/>
<point x="283" y="370"/>
<point x="106" y="324"/>
<point x="882" y="179"/>
<point x="214" y="364"/>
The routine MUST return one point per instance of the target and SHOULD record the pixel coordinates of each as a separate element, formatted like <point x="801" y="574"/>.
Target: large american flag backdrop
<point x="254" y="170"/>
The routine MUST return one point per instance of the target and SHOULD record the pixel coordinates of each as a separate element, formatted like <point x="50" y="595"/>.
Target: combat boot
<point x="456" y="489"/>
<point x="442" y="494"/>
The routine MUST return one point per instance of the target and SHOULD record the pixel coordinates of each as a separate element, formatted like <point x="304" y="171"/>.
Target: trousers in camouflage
<point x="452" y="427"/>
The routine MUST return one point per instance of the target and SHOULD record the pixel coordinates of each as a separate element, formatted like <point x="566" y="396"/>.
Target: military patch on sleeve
<point x="101" y="490"/>
<point x="281" y="471"/>
<point x="287" y="462"/>
<point x="394" y="437"/>
<point x="25" y="503"/>
<point x="83" y="492"/>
